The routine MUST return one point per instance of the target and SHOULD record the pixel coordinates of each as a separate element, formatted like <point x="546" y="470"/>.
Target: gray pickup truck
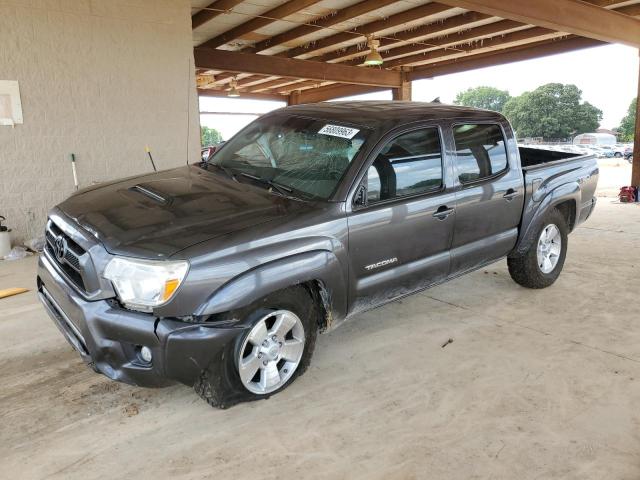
<point x="220" y="275"/>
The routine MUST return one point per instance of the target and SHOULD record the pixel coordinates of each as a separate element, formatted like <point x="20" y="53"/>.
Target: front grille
<point x="66" y="253"/>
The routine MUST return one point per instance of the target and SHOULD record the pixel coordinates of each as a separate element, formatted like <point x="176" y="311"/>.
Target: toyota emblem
<point x="60" y="247"/>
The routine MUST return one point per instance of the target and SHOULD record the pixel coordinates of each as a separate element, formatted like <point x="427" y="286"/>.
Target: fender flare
<point x="318" y="265"/>
<point x="567" y="192"/>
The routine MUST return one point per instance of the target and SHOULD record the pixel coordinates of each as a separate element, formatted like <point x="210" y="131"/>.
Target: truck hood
<point x="158" y="215"/>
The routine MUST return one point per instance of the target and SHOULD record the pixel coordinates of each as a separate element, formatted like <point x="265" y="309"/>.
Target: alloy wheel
<point x="549" y="248"/>
<point x="271" y="352"/>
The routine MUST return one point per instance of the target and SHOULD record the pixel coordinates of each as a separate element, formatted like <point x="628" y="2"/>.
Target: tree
<point x="628" y="124"/>
<point x="489" y="98"/>
<point x="209" y="136"/>
<point x="553" y="110"/>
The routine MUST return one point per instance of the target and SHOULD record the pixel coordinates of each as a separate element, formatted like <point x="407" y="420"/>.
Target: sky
<point x="607" y="76"/>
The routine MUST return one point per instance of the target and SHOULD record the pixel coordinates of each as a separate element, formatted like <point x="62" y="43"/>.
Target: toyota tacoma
<point x="220" y="275"/>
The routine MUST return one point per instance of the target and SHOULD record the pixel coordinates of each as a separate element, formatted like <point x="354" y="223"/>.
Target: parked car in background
<point x="207" y="152"/>
<point x="618" y="150"/>
<point x="628" y="153"/>
<point x="607" y="151"/>
<point x="220" y="275"/>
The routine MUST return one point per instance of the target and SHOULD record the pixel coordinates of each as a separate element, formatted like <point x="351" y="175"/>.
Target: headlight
<point x="144" y="284"/>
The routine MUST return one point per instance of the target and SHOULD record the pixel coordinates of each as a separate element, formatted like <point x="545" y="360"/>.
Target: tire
<point x="526" y="270"/>
<point x="617" y="155"/>
<point x="221" y="385"/>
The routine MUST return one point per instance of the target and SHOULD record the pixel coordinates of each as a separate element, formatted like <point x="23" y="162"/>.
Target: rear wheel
<point x="541" y="265"/>
<point x="275" y="348"/>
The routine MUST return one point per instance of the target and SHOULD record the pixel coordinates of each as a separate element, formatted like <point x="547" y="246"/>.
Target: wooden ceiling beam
<point x="281" y="11"/>
<point x="361" y="31"/>
<point x="396" y="48"/>
<point x="395" y="40"/>
<point x="631" y="10"/>
<point x="292" y="87"/>
<point x="209" y="92"/>
<point x="529" y="35"/>
<point x="292" y="68"/>
<point x="331" y="92"/>
<point x="515" y="54"/>
<point x="211" y="11"/>
<point x="275" y="86"/>
<point x="571" y="16"/>
<point x="334" y="18"/>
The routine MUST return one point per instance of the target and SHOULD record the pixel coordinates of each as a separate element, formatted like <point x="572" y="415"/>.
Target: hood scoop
<point x="151" y="193"/>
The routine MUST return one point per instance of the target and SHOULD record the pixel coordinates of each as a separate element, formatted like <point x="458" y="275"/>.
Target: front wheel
<point x="541" y="265"/>
<point x="275" y="348"/>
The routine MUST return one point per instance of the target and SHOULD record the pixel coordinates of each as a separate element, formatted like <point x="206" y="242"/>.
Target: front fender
<point x="538" y="208"/>
<point x="246" y="288"/>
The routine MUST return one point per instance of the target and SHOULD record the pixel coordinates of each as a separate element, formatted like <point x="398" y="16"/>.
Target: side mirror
<point x="360" y="198"/>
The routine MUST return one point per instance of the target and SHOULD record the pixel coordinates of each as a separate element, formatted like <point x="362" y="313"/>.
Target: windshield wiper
<point x="282" y="189"/>
<point x="227" y="172"/>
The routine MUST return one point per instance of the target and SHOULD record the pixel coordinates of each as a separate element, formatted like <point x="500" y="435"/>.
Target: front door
<point x="399" y="240"/>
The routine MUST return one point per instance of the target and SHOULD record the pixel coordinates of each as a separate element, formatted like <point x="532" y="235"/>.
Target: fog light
<point x="145" y="354"/>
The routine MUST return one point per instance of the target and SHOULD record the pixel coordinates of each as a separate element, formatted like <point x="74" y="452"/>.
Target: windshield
<point x="307" y="156"/>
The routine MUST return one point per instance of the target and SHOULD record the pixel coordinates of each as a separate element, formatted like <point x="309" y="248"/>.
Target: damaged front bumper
<point x="109" y="337"/>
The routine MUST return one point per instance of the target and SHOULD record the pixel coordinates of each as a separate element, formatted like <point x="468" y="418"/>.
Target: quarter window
<point x="480" y="151"/>
<point x="409" y="164"/>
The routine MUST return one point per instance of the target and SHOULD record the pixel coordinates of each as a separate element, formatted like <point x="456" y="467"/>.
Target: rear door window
<point x="480" y="151"/>
<point x="409" y="164"/>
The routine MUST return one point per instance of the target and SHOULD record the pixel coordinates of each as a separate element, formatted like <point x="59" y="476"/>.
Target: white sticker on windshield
<point x="338" y="131"/>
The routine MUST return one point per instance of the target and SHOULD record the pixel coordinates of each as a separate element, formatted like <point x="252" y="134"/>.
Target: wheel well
<point x="568" y="211"/>
<point x="316" y="288"/>
<point x="322" y="299"/>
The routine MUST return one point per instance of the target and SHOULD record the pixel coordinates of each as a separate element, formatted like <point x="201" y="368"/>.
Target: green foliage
<point x="209" y="136"/>
<point x="553" y="110"/>
<point x="628" y="124"/>
<point x="489" y="98"/>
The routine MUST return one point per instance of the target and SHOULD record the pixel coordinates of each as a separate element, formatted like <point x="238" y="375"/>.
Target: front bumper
<point x="109" y="337"/>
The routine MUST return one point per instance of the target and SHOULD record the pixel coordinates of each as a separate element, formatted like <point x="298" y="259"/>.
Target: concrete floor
<point x="536" y="385"/>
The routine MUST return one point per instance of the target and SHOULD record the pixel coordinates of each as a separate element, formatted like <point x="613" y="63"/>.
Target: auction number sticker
<point x="338" y="131"/>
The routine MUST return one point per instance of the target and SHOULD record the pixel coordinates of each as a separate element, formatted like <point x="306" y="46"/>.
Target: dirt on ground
<point x="475" y="379"/>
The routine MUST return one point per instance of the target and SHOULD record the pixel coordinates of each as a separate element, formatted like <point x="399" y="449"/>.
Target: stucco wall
<point x="98" y="78"/>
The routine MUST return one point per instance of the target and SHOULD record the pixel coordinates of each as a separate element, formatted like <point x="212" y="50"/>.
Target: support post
<point x="635" y="167"/>
<point x="403" y="92"/>
<point x="294" y="98"/>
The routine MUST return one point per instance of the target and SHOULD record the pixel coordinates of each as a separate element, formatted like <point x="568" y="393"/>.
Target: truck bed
<point x="534" y="157"/>
<point x="550" y="173"/>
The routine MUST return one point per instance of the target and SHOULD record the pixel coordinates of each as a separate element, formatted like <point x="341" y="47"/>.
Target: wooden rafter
<point x="211" y="11"/>
<point x="292" y="68"/>
<point x="471" y="62"/>
<point x="334" y="91"/>
<point x="515" y="54"/>
<point x="281" y="11"/>
<point x="339" y="16"/>
<point x="530" y="35"/>
<point x="209" y="92"/>
<point x="571" y="16"/>
<point x="360" y="32"/>
<point x="449" y="42"/>
<point x="396" y="20"/>
<point x="394" y="40"/>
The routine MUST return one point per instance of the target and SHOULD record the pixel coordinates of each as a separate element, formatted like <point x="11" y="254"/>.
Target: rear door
<point x="489" y="195"/>
<point x="399" y="240"/>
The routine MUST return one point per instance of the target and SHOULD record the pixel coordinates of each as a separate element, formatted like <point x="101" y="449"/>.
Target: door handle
<point x="510" y="195"/>
<point x="443" y="212"/>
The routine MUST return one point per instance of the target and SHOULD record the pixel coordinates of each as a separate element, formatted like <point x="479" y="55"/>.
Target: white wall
<point x="101" y="79"/>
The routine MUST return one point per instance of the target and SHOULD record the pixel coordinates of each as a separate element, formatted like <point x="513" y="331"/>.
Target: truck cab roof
<point x="384" y="114"/>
